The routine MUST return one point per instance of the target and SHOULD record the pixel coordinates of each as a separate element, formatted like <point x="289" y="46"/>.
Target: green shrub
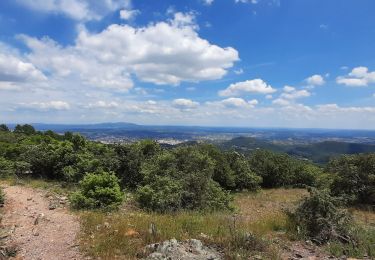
<point x="99" y="190"/>
<point x="6" y="167"/>
<point x="181" y="179"/>
<point x="320" y="218"/>
<point x="2" y="197"/>
<point x="280" y="170"/>
<point x="354" y="178"/>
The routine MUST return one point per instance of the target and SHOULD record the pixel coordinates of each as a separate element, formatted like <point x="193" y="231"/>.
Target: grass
<point x="251" y="230"/>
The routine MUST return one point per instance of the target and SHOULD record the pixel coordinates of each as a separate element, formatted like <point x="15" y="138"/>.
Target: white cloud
<point x="358" y="77"/>
<point x="183" y="103"/>
<point x="103" y="104"/>
<point x="289" y="95"/>
<point x="238" y="72"/>
<point x="161" y="53"/>
<point x="315" y="80"/>
<point x="248" y="86"/>
<point x="247" y="1"/>
<point x="208" y="2"/>
<point x="76" y="9"/>
<point x="289" y="89"/>
<point x="269" y="97"/>
<point x="281" y="102"/>
<point x="128" y="14"/>
<point x="237" y="103"/>
<point x="295" y="94"/>
<point x="13" y="69"/>
<point x="46" y="106"/>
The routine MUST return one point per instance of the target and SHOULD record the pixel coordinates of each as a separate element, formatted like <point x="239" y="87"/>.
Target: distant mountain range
<point x="319" y="152"/>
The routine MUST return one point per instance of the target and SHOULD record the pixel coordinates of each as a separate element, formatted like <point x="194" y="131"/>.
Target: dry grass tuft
<point x="259" y="218"/>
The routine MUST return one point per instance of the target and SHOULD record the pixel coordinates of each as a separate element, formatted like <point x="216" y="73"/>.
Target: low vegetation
<point x="100" y="190"/>
<point x="237" y="202"/>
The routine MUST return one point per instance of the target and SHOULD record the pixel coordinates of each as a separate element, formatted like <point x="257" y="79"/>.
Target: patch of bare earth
<point x="38" y="229"/>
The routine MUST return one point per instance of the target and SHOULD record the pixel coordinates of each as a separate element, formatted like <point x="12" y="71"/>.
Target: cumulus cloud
<point x="161" y="53"/>
<point x="128" y="14"/>
<point x="103" y="104"/>
<point x="315" y="80"/>
<point x="248" y="86"/>
<point x="46" y="106"/>
<point x="13" y="69"/>
<point x="358" y="77"/>
<point x="208" y="2"/>
<point x="295" y="94"/>
<point x="76" y="9"/>
<point x="234" y="103"/>
<point x="289" y="95"/>
<point x="183" y="103"/>
<point x="281" y="102"/>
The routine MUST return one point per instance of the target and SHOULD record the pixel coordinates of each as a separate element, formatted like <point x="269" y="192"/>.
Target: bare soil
<point x="37" y="231"/>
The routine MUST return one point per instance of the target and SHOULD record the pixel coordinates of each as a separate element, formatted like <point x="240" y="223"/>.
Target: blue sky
<point x="255" y="63"/>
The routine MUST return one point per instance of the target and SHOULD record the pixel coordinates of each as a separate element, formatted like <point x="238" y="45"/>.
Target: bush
<point x="6" y="167"/>
<point x="181" y="179"/>
<point x="99" y="190"/>
<point x="2" y="197"/>
<point x="281" y="170"/>
<point x="354" y="178"/>
<point x="320" y="218"/>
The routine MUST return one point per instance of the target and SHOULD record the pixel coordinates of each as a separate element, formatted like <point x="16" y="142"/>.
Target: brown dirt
<point x="38" y="232"/>
<point x="305" y="251"/>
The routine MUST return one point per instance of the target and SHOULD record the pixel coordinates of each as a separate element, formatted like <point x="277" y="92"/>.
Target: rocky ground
<point x="186" y="250"/>
<point x="36" y="225"/>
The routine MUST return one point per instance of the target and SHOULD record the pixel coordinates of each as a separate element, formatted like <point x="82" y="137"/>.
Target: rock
<point x="28" y="199"/>
<point x="63" y="200"/>
<point x="52" y="206"/>
<point x="38" y="218"/>
<point x="106" y="225"/>
<point x="35" y="232"/>
<point x="174" y="250"/>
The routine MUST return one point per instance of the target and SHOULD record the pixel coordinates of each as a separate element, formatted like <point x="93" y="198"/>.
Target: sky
<point x="245" y="63"/>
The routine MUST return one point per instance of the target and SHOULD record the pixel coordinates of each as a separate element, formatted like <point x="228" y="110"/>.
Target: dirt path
<point x="38" y="232"/>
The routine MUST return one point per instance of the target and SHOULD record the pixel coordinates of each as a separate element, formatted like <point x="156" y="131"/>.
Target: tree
<point x="181" y="179"/>
<point x="223" y="174"/>
<point x="245" y="178"/>
<point x="4" y="128"/>
<point x="130" y="159"/>
<point x="25" y="129"/>
<point x="354" y="178"/>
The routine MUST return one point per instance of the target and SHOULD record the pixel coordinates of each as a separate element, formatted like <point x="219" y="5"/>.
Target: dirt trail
<point x="38" y="232"/>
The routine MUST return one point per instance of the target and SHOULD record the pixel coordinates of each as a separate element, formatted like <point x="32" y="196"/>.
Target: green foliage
<point x="100" y="190"/>
<point x="354" y="178"/>
<point x="130" y="159"/>
<point x="223" y="174"/>
<point x="231" y="169"/>
<point x="181" y="179"/>
<point x="365" y="244"/>
<point x="6" y="167"/>
<point x="2" y="197"/>
<point x="320" y="218"/>
<point x="4" y="128"/>
<point x="25" y="129"/>
<point x="244" y="177"/>
<point x="278" y="170"/>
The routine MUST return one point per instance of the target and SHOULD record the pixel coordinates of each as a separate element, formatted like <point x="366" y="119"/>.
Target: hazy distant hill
<point x="318" y="152"/>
